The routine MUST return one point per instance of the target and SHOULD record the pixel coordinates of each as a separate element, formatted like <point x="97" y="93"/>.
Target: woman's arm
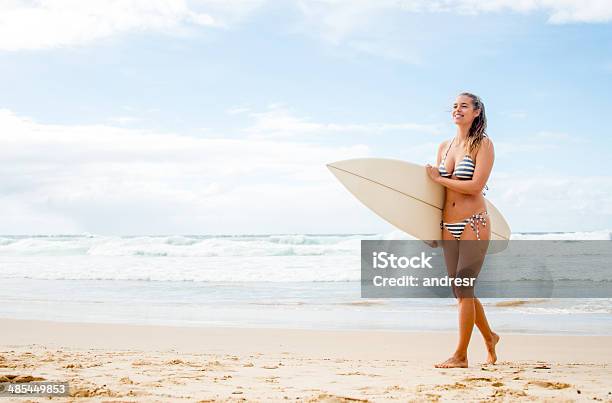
<point x="484" y="164"/>
<point x="441" y="148"/>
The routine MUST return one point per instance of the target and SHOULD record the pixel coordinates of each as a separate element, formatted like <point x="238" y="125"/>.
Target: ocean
<point x="285" y="281"/>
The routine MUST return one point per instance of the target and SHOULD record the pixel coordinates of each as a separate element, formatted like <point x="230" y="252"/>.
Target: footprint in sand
<point x="138" y="363"/>
<point x="508" y="393"/>
<point x="92" y="392"/>
<point x="214" y="363"/>
<point x="455" y="386"/>
<point x="20" y="378"/>
<point x="47" y="358"/>
<point x="328" y="398"/>
<point x="358" y="373"/>
<point x="428" y="388"/>
<point x="494" y="382"/>
<point x="73" y="366"/>
<point x="432" y="397"/>
<point x="550" y="385"/>
<point x="478" y="379"/>
<point x="394" y="388"/>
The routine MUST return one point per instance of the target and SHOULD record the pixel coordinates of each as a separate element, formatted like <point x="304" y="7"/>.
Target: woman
<point x="464" y="165"/>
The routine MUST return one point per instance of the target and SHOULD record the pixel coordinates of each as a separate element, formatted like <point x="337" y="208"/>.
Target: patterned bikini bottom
<point x="456" y="229"/>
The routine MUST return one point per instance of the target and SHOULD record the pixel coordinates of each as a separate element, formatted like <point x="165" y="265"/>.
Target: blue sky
<point x="218" y="117"/>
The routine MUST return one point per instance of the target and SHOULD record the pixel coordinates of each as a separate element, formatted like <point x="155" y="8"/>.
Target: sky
<point x="213" y="117"/>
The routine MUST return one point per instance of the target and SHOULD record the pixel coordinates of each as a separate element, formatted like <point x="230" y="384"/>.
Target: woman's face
<point x="463" y="110"/>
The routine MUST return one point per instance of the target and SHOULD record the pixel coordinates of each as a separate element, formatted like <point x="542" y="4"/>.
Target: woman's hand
<point x="433" y="172"/>
<point x="432" y="244"/>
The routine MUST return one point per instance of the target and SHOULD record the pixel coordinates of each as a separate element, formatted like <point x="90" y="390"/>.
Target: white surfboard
<point x="403" y="194"/>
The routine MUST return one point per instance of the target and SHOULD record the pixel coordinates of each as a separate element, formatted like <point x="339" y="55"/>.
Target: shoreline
<point x="317" y="327"/>
<point x="154" y="363"/>
<point x="595" y="324"/>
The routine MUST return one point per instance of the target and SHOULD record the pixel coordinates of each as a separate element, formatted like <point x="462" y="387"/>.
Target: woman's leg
<point x="471" y="312"/>
<point x="467" y="318"/>
<point x="470" y="259"/>
<point x="490" y="337"/>
<point x="451" y="258"/>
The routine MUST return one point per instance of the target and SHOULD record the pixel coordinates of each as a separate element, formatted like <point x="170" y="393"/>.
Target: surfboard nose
<point x="342" y="163"/>
<point x="360" y="166"/>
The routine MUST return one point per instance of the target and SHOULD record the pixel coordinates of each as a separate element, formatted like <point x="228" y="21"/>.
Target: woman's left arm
<point x="484" y="164"/>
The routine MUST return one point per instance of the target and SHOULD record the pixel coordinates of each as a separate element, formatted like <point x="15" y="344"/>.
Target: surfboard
<point x="402" y="193"/>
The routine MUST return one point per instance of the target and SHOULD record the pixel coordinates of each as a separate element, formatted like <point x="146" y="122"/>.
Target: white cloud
<point x="122" y="120"/>
<point x="559" y="11"/>
<point x="553" y="203"/>
<point x="238" y="110"/>
<point x="278" y="121"/>
<point x="46" y="24"/>
<point x="338" y="19"/>
<point x="376" y="27"/>
<point x="100" y="178"/>
<point x="568" y="11"/>
<point x="104" y="179"/>
<point x="228" y="13"/>
<point x="363" y="25"/>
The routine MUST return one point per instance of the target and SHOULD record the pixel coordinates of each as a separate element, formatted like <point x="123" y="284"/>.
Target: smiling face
<point x="463" y="110"/>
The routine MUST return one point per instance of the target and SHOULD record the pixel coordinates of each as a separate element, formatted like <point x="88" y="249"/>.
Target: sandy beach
<point x="116" y="362"/>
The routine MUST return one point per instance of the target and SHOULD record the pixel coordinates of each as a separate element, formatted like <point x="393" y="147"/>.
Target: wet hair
<point x="479" y="126"/>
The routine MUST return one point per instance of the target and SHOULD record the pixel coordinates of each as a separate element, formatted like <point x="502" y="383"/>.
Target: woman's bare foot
<point x="492" y="358"/>
<point x="453" y="362"/>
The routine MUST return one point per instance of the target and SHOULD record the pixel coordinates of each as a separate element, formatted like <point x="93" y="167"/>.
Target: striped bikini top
<point x="465" y="169"/>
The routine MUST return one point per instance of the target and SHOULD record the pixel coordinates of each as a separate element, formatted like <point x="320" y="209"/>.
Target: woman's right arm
<point x="434" y="243"/>
<point x="439" y="156"/>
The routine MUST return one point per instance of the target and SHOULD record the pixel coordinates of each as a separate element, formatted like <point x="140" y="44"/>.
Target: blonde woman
<point x="464" y="164"/>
